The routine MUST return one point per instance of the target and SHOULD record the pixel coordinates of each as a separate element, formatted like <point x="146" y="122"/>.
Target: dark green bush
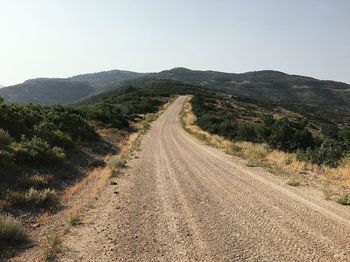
<point x="146" y="105"/>
<point x="11" y="120"/>
<point x="344" y="136"/>
<point x="7" y="157"/>
<point x="57" y="125"/>
<point x="15" y="198"/>
<point x="37" y="151"/>
<point x="49" y="132"/>
<point x="98" y="163"/>
<point x="264" y="129"/>
<point x="39" y="133"/>
<point x="70" y="122"/>
<point x="330" y="152"/>
<point x="106" y="114"/>
<point x="289" y="136"/>
<point x="344" y="200"/>
<point x="217" y="125"/>
<point x="247" y="132"/>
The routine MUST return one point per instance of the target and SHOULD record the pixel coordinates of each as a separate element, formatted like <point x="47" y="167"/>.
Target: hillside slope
<point x="107" y="79"/>
<point x="47" y="91"/>
<point x="274" y="87"/>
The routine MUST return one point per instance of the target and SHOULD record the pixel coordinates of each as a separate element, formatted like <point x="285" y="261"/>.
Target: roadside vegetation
<point x="11" y="231"/>
<point x="284" y="142"/>
<point x="46" y="149"/>
<point x="280" y="131"/>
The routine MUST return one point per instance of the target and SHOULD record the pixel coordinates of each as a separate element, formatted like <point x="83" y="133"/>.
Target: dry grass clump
<point x="341" y="172"/>
<point x="327" y="192"/>
<point x="254" y="151"/>
<point x="11" y="230"/>
<point x="291" y="162"/>
<point x="234" y="149"/>
<point x="74" y="219"/>
<point x="46" y="198"/>
<point x="116" y="162"/>
<point x="53" y="247"/>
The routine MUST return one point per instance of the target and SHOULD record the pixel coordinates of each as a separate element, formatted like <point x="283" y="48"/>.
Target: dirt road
<point x="184" y="201"/>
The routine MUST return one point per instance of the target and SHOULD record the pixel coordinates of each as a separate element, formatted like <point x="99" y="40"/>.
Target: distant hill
<point x="65" y="91"/>
<point x="47" y="91"/>
<point x="299" y="93"/>
<point x="267" y="85"/>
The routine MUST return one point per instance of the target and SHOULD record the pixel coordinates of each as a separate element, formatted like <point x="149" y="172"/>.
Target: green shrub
<point x="106" y="114"/>
<point x="14" y="198"/>
<point x="11" y="120"/>
<point x="70" y="122"/>
<point x="293" y="182"/>
<point x="57" y="125"/>
<point x="11" y="230"/>
<point x="216" y="124"/>
<point x="98" y="163"/>
<point x="329" y="153"/>
<point x="146" y="105"/>
<point x="50" y="133"/>
<point x="37" y="151"/>
<point x="246" y="132"/>
<point x="116" y="163"/>
<point x="344" y="136"/>
<point x="289" y="136"/>
<point x="264" y="129"/>
<point x="7" y="157"/>
<point x="344" y="200"/>
<point x="146" y="125"/>
<point x="115" y="173"/>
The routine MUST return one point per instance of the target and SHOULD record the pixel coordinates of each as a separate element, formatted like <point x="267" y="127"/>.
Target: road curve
<point x="184" y="201"/>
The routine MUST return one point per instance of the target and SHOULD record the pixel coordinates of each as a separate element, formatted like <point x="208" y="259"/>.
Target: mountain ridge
<point x="270" y="86"/>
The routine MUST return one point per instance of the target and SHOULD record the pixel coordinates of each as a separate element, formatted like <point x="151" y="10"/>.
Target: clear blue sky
<point x="59" y="38"/>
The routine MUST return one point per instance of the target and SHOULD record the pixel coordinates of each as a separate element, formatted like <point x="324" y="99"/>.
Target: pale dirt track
<point x="184" y="201"/>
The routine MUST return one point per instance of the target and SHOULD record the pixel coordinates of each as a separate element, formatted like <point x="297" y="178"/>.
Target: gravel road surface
<point x="181" y="200"/>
